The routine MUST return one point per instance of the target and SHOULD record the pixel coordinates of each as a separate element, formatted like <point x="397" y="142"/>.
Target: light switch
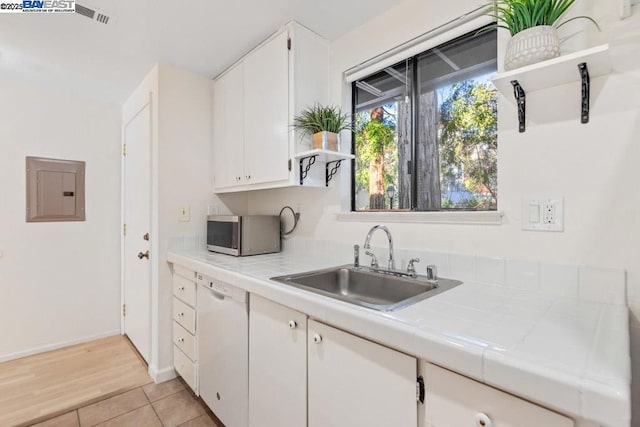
<point x="184" y="213"/>
<point x="534" y="213"/>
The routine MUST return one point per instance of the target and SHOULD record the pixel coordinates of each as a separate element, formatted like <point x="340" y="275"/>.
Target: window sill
<point x="468" y="218"/>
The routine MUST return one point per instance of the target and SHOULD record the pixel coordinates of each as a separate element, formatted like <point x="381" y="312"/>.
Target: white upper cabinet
<point x="266" y="112"/>
<point x="254" y="144"/>
<point x="228" y="113"/>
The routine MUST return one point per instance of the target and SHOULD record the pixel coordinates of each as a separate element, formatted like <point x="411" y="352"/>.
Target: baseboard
<point x="161" y="375"/>
<point x="49" y="347"/>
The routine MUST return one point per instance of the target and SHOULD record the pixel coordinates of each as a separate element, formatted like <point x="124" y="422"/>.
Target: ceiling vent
<point x="93" y="14"/>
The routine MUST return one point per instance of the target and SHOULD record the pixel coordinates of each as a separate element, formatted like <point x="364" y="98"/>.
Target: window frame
<point x="415" y="112"/>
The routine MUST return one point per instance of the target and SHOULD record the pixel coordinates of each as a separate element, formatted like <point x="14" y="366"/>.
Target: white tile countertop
<point x="563" y="350"/>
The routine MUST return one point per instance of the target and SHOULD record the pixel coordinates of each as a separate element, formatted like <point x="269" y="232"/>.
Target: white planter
<point x="532" y="45"/>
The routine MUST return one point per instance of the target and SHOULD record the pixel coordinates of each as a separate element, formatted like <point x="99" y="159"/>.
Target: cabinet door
<point x="228" y="138"/>
<point x="453" y="400"/>
<point x="355" y="382"/>
<point x="266" y="112"/>
<point x="277" y="365"/>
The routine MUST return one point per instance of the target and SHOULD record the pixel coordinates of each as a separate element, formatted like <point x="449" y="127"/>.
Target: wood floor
<point x="39" y="387"/>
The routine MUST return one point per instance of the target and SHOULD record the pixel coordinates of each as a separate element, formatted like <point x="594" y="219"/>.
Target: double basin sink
<point x="372" y="288"/>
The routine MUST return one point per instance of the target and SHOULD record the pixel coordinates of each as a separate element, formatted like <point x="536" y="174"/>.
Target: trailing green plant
<point x="322" y="118"/>
<point x="519" y="15"/>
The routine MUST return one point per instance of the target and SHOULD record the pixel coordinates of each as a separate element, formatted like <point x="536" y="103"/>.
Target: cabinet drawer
<point x="185" y="368"/>
<point x="453" y="400"/>
<point x="184" y="341"/>
<point x="184" y="315"/>
<point x="185" y="289"/>
<point x="184" y="272"/>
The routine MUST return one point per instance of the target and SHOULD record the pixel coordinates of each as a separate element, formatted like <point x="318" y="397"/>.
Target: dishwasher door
<point x="223" y="337"/>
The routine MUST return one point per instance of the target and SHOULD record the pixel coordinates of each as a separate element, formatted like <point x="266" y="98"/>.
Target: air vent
<point x="92" y="14"/>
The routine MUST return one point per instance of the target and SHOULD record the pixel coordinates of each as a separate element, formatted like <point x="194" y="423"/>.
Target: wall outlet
<point x="543" y="213"/>
<point x="184" y="213"/>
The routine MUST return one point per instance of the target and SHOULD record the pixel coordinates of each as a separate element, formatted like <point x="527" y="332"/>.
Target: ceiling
<point x="91" y="59"/>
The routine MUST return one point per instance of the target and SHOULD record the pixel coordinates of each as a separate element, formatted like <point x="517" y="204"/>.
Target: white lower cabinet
<point x="355" y="382"/>
<point x="277" y="365"/>
<point x="185" y="344"/>
<point x="453" y="400"/>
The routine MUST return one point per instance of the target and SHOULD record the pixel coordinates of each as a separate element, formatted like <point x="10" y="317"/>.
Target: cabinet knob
<point x="181" y="340"/>
<point x="180" y="314"/>
<point x="483" y="420"/>
<point x="317" y="338"/>
<point x="293" y="324"/>
<point x="181" y="288"/>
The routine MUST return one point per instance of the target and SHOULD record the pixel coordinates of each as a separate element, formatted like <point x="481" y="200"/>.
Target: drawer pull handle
<point x="317" y="338"/>
<point x="293" y="324"/>
<point x="483" y="420"/>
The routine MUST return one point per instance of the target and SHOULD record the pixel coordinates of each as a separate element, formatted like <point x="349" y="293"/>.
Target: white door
<point x="277" y="365"/>
<point x="266" y="112"/>
<point x="355" y="382"/>
<point x="137" y="217"/>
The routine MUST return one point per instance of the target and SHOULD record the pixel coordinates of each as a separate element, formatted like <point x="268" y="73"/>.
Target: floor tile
<point x="202" y="421"/>
<point x="144" y="416"/>
<point x="177" y="408"/>
<point x="110" y="408"/>
<point x="70" y="419"/>
<point x="158" y="391"/>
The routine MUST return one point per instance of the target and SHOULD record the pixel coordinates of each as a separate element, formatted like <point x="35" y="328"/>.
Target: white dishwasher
<point x="223" y="337"/>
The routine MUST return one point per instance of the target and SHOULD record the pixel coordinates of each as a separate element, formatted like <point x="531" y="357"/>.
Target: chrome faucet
<point x="367" y="244"/>
<point x="356" y="256"/>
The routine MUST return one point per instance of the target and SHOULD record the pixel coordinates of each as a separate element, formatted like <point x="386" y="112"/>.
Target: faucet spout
<point x="367" y="243"/>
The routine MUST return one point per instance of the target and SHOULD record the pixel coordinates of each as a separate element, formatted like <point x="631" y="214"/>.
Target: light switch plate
<point x="544" y="213"/>
<point x="184" y="213"/>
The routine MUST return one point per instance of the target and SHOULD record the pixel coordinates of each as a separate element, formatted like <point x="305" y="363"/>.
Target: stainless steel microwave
<point x="243" y="235"/>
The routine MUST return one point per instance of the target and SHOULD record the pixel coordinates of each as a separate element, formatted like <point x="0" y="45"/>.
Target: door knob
<point x="293" y="324"/>
<point x="317" y="338"/>
<point x="143" y="255"/>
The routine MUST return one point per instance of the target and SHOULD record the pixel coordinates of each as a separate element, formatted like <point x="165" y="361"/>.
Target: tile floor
<point x="168" y="404"/>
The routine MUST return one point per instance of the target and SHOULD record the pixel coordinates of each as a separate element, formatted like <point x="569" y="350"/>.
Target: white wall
<point x="59" y="282"/>
<point x="594" y="166"/>
<point x="180" y="152"/>
<point x="183" y="173"/>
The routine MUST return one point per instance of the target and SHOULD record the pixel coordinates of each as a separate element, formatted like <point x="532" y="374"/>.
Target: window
<point x="426" y="131"/>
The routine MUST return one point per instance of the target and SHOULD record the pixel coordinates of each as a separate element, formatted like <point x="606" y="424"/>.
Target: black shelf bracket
<point x="304" y="170"/>
<point x="521" y="101"/>
<point x="586" y="90"/>
<point x="330" y="171"/>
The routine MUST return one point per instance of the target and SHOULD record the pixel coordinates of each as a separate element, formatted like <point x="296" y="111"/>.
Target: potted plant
<point x="324" y="124"/>
<point x="533" y="26"/>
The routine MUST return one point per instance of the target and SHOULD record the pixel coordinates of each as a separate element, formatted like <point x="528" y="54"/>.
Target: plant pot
<point x="532" y="45"/>
<point x="326" y="140"/>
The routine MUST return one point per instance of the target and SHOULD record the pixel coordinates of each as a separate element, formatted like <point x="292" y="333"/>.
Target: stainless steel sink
<point x="368" y="288"/>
